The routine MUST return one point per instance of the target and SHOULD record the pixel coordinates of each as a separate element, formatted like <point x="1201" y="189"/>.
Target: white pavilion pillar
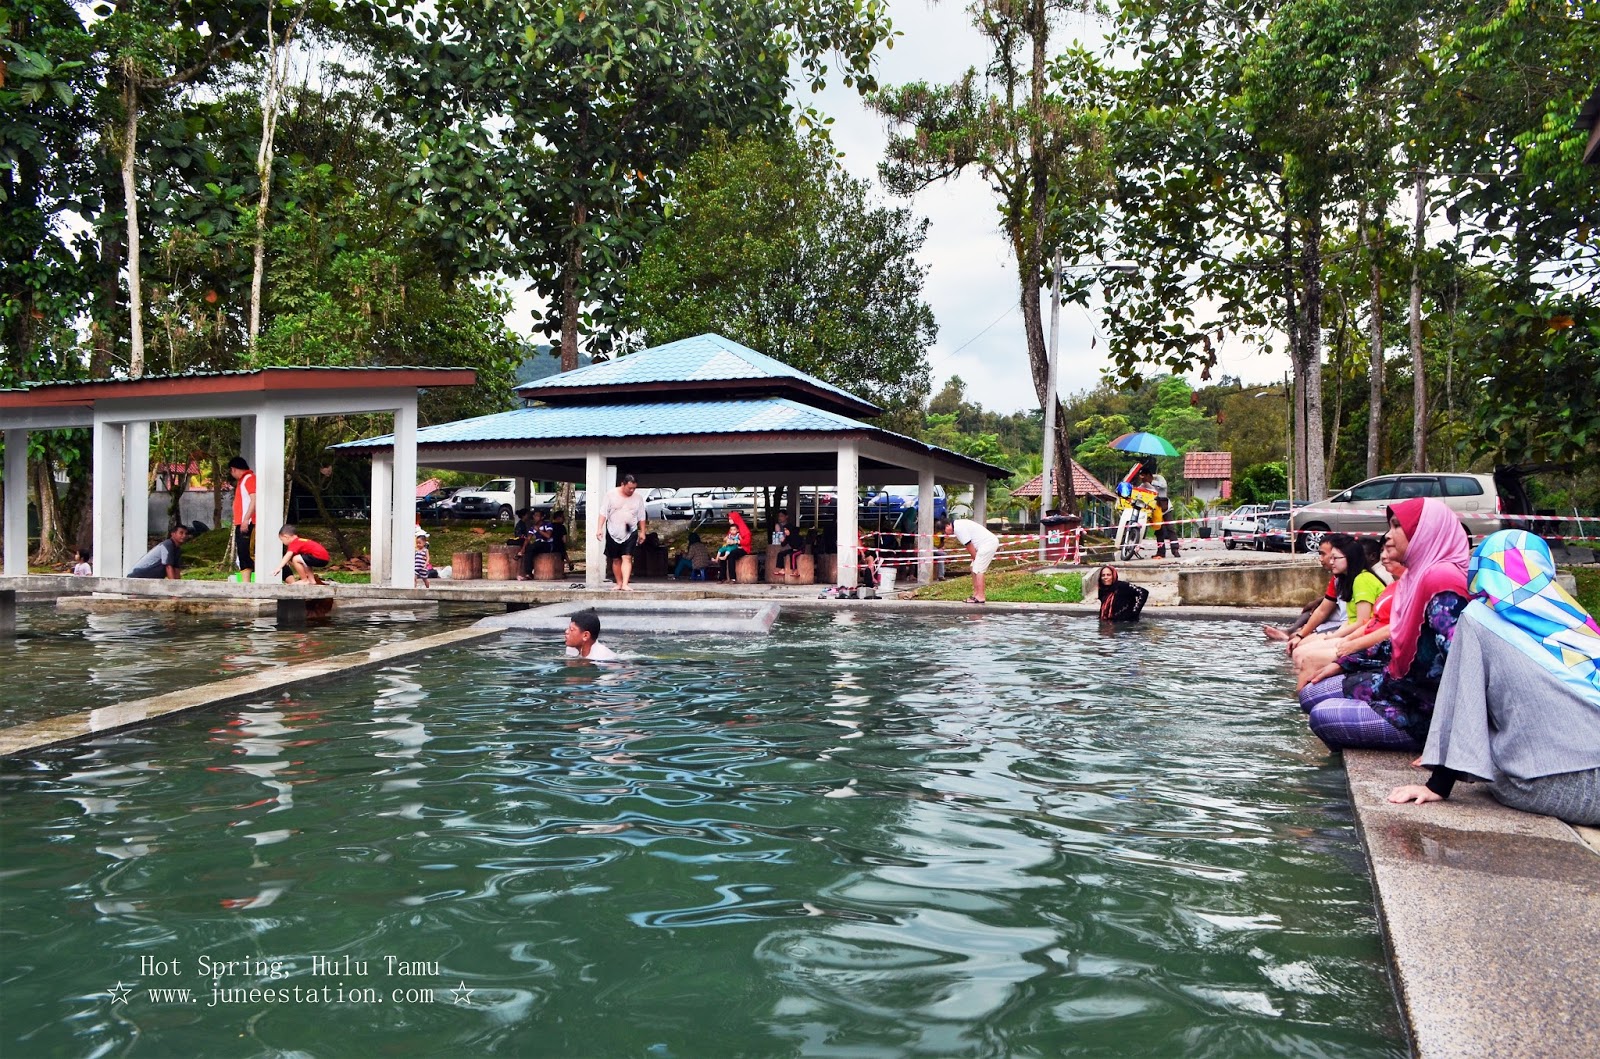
<point x="135" y="492"/>
<point x="595" y="488"/>
<point x="980" y="502"/>
<point x="381" y="525"/>
<point x="848" y="479"/>
<point x="16" y="506"/>
<point x="108" y="469"/>
<point x="924" y="527"/>
<point x="402" y="539"/>
<point x="268" y="465"/>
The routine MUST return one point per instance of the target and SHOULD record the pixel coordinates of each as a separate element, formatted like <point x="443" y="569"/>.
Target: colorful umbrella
<point x="1145" y="444"/>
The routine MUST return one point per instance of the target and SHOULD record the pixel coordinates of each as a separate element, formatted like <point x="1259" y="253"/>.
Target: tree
<point x="550" y="132"/>
<point x="772" y="244"/>
<point x="154" y="47"/>
<point x="1039" y="146"/>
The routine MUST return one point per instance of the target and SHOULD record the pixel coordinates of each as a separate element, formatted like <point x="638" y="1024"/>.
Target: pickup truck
<point x="1241" y="522"/>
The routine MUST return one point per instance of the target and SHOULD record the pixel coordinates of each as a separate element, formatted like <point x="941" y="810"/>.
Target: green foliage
<point x="550" y="135"/>
<point x="772" y="244"/>
<point x="1261" y="484"/>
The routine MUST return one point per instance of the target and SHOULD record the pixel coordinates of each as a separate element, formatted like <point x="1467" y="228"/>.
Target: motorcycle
<point x="1136" y="511"/>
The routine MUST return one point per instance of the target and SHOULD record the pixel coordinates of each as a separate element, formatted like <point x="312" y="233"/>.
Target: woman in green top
<point x="1357" y="588"/>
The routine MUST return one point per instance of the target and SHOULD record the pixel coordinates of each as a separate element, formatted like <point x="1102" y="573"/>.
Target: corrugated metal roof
<point x="662" y="421"/>
<point x="703" y="358"/>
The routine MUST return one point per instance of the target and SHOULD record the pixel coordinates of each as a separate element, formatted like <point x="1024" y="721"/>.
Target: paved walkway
<point x="1492" y="918"/>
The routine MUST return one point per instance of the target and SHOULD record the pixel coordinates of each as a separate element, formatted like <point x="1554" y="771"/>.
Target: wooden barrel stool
<point x="503" y="564"/>
<point x="777" y="573"/>
<point x="827" y="569"/>
<point x="748" y="570"/>
<point x="466" y="566"/>
<point x="547" y="566"/>
<point x="805" y="572"/>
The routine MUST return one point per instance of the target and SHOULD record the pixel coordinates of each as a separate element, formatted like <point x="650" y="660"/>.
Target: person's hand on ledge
<point x="1413" y="792"/>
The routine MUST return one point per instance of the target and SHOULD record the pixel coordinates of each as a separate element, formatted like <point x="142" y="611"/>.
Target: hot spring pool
<point x="1007" y="835"/>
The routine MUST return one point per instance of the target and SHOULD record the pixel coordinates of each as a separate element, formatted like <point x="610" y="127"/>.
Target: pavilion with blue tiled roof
<point x="704" y="409"/>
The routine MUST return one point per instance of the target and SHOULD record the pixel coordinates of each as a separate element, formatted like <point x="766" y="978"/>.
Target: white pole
<point x="1046" y="492"/>
<point x="16" y="503"/>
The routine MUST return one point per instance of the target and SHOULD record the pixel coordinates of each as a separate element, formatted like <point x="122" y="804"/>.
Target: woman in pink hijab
<point x="1390" y="709"/>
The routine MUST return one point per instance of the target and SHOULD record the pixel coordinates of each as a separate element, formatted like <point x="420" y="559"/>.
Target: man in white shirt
<point x="981" y="545"/>
<point x="583" y="638"/>
<point x="622" y="523"/>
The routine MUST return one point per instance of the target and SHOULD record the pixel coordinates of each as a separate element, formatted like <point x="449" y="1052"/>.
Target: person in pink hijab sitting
<point x="1390" y="709"/>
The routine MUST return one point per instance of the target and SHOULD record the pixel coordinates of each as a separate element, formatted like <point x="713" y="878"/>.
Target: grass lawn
<point x="1588" y="587"/>
<point x="1010" y="586"/>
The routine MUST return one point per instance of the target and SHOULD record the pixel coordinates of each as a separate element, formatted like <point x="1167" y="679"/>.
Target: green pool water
<point x="1000" y="836"/>
<point x="62" y="662"/>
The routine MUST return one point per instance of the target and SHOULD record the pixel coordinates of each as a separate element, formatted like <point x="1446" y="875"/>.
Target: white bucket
<point x="886" y="579"/>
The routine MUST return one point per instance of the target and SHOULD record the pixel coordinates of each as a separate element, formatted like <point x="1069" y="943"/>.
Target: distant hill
<point x="542" y="362"/>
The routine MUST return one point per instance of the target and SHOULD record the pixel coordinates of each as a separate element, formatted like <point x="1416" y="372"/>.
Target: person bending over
<point x="1519" y="703"/>
<point x="301" y="558"/>
<point x="981" y="545"/>
<point x="583" y="638"/>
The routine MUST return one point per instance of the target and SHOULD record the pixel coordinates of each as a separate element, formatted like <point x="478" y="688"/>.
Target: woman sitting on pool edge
<point x="1519" y="704"/>
<point x="1367" y="647"/>
<point x="1359" y="589"/>
<point x="1390" y="709"/>
<point x="1119" y="601"/>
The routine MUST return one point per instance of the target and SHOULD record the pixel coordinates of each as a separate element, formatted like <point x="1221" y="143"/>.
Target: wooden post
<point x="466" y="566"/>
<point x="503" y="564"/>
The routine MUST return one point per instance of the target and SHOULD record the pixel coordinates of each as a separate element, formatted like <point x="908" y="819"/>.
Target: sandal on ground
<point x="975" y="599"/>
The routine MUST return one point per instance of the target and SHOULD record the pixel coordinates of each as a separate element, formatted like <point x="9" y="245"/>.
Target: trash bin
<point x="887" y="576"/>
<point x="1058" y="531"/>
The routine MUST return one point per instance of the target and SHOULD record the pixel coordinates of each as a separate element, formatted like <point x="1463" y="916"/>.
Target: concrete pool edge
<point x="70" y="728"/>
<point x="1491" y="918"/>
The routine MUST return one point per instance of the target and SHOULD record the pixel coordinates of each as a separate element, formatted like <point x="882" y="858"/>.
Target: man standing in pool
<point x="583" y="638"/>
<point x="622" y="522"/>
<point x="980" y="544"/>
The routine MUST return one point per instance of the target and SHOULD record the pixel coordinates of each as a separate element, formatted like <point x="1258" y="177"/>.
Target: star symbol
<point x="120" y="994"/>
<point x="463" y="995"/>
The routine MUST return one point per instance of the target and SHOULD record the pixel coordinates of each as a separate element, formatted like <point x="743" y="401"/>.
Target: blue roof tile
<point x="703" y="358"/>
<point x="663" y="420"/>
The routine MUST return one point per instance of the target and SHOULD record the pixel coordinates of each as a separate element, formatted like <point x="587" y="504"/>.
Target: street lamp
<point x="1288" y="435"/>
<point x="1045" y="486"/>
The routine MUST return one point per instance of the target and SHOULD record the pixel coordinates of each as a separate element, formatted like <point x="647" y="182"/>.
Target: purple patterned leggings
<point x="1349" y="724"/>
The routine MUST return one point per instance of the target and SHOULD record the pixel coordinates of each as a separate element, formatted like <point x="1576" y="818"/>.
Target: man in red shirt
<point x="244" y="516"/>
<point x="302" y="556"/>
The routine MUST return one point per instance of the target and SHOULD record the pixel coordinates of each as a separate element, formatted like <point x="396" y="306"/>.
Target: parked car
<point x="495" y="499"/>
<point x="655" y="505"/>
<point x="1241" y="522"/>
<point x="1272" y="532"/>
<point x="1361" y="508"/>
<point x="437" y="504"/>
<point x="904" y="496"/>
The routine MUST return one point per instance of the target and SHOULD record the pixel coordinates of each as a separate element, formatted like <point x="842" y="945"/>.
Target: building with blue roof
<point x="703" y="409"/>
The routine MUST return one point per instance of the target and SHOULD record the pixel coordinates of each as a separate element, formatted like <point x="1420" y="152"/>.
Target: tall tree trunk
<point x="1296" y="469"/>
<point x="1375" y="370"/>
<point x="1311" y="339"/>
<point x="1419" y="377"/>
<point x="1339" y="349"/>
<point x="51" y="545"/>
<point x="130" y="197"/>
<point x="271" y="97"/>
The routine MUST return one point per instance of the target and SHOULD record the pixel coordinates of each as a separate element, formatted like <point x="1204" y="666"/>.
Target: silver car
<point x="1361" y="508"/>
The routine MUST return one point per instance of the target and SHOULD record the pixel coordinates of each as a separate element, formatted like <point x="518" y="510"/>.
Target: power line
<point x="973" y="339"/>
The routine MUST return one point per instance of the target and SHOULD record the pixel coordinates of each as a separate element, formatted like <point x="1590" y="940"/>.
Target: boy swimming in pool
<point x="583" y="638"/>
